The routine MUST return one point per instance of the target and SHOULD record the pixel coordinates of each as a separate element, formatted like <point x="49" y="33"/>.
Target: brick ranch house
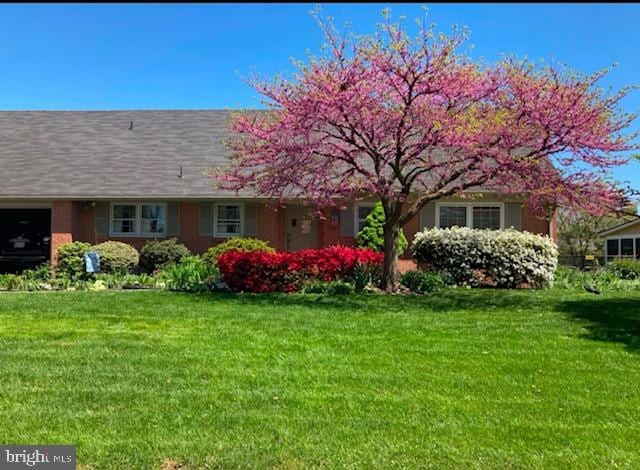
<point x="136" y="175"/>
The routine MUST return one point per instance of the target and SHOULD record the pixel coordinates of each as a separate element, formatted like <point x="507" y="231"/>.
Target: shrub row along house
<point x="137" y="175"/>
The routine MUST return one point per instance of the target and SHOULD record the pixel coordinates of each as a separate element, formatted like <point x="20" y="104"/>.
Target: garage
<point x="25" y="238"/>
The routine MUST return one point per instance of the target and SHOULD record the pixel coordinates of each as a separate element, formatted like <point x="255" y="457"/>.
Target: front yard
<point x="463" y="378"/>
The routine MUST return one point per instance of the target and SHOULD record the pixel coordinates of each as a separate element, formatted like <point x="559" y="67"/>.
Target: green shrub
<point x="117" y="257"/>
<point x="422" y="282"/>
<point x="237" y="244"/>
<point x="156" y="254"/>
<point x="314" y="286"/>
<point x="71" y="259"/>
<point x="63" y="282"/>
<point x="126" y="281"/>
<point x="568" y="277"/>
<point x="42" y="273"/>
<point x="488" y="258"/>
<point x="138" y="281"/>
<point x="628" y="269"/>
<point x="337" y="287"/>
<point x="8" y="281"/>
<point x="190" y="274"/>
<point x="372" y="233"/>
<point x="365" y="276"/>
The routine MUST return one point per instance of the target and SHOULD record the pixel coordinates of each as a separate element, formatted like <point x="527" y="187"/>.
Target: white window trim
<point x="618" y="238"/>
<point x="356" y="206"/>
<point x="138" y="220"/>
<point x="217" y="234"/>
<point x="470" y="206"/>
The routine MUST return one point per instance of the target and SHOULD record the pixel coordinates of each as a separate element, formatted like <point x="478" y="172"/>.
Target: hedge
<point x="117" y="257"/>
<point x="236" y="244"/>
<point x="488" y="258"/>
<point x="261" y="271"/>
<point x="156" y="254"/>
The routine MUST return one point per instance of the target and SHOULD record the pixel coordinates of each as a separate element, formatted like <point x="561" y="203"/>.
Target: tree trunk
<point x="390" y="278"/>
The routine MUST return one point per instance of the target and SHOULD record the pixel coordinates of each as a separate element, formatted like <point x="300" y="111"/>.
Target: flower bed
<point x="260" y="271"/>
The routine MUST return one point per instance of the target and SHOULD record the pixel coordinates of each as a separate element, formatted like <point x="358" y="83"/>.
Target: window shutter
<point x="428" y="215"/>
<point x="101" y="211"/>
<point x="346" y="222"/>
<point x="205" y="220"/>
<point x="513" y="215"/>
<point x="173" y="219"/>
<point x="250" y="220"/>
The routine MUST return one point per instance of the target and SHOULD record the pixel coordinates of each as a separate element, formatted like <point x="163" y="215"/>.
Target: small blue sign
<point x="92" y="262"/>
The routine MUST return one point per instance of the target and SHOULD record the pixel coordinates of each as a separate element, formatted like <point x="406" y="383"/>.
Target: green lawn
<point x="464" y="378"/>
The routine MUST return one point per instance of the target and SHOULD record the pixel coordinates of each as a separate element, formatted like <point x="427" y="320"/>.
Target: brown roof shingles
<point x="94" y="154"/>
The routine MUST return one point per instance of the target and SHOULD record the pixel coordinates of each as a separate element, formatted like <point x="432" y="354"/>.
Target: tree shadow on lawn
<point x="443" y="301"/>
<point x="611" y="320"/>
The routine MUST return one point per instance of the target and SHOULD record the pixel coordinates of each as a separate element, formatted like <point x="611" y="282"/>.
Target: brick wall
<point x="76" y="221"/>
<point x="535" y="224"/>
<point x="62" y="221"/>
<point x="270" y="227"/>
<point x="329" y="231"/>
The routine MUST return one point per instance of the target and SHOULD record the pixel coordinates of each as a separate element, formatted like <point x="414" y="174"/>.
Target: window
<point x="486" y="217"/>
<point x="124" y="219"/>
<point x="228" y="220"/>
<point x="612" y="247"/>
<point x="469" y="215"/>
<point x="626" y="247"/>
<point x="137" y="219"/>
<point x="622" y="248"/>
<point x="451" y="216"/>
<point x="152" y="220"/>
<point x="362" y="211"/>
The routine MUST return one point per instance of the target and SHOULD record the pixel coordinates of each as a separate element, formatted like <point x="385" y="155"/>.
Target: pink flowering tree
<point x="410" y="120"/>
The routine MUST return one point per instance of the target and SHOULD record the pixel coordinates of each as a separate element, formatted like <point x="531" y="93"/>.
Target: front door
<point x="301" y="230"/>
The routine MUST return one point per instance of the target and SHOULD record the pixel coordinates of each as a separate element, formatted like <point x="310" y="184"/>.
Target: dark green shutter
<point x="173" y="219"/>
<point x="250" y="220"/>
<point x="428" y="215"/>
<point x="102" y="218"/>
<point x="346" y="221"/>
<point x="513" y="215"/>
<point x="205" y="220"/>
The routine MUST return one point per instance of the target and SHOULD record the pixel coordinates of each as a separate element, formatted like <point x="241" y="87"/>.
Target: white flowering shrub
<point x="488" y="258"/>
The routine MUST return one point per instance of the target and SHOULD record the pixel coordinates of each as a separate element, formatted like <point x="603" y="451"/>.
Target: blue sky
<point x="102" y="56"/>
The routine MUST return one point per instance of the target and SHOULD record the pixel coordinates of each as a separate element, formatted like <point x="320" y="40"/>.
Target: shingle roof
<point x="93" y="154"/>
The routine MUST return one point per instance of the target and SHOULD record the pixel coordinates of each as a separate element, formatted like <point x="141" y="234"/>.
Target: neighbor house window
<point x="138" y="219"/>
<point x="480" y="216"/>
<point x="228" y="220"/>
<point x="626" y="246"/>
<point x="623" y="248"/>
<point x="362" y="211"/>
<point x="613" y="247"/>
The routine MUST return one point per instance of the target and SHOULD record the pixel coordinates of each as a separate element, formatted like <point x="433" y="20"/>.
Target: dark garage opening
<point x="25" y="238"/>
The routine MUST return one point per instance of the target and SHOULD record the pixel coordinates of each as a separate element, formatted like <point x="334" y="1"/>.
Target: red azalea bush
<point x="260" y="271"/>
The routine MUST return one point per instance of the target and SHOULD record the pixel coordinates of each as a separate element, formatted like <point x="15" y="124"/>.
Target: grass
<point x="461" y="379"/>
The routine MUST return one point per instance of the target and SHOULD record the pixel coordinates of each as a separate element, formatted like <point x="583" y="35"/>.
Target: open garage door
<point x="25" y="238"/>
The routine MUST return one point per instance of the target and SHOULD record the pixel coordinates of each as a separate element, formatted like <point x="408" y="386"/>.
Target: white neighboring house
<point x="622" y="241"/>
